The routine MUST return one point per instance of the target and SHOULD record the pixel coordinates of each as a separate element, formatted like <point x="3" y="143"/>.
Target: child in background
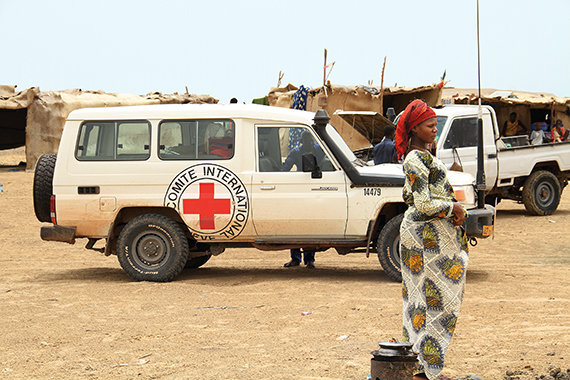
<point x="537" y="136"/>
<point x="558" y="132"/>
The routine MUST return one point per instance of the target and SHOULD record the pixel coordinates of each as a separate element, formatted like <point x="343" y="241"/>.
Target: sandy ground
<point x="69" y="313"/>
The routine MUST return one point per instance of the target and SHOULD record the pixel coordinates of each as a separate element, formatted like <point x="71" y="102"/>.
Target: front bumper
<point x="480" y="222"/>
<point x="58" y="233"/>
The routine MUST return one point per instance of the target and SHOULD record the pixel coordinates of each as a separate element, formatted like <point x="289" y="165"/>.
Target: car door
<point x="460" y="145"/>
<point x="288" y="202"/>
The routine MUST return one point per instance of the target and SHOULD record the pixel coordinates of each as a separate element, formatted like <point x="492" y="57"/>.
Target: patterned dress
<point x="434" y="259"/>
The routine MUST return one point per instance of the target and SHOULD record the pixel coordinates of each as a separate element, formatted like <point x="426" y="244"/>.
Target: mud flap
<point x="58" y="233"/>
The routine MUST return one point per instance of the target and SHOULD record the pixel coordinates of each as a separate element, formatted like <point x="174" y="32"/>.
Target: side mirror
<point x="310" y="165"/>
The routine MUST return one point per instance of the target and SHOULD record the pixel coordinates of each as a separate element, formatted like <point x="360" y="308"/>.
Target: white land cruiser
<point x="167" y="186"/>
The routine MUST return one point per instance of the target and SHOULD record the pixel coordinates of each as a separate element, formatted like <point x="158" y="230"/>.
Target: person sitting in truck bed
<point x="558" y="133"/>
<point x="537" y="136"/>
<point x="513" y="126"/>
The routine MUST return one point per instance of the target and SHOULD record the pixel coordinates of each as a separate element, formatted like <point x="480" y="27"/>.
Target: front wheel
<point x="152" y="247"/>
<point x="541" y="193"/>
<point x="388" y="248"/>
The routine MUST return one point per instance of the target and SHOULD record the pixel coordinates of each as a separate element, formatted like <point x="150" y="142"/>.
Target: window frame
<point x="115" y="140"/>
<point x="451" y="131"/>
<point x="197" y="134"/>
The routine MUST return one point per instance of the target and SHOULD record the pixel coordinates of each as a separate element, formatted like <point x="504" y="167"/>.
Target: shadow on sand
<point x="218" y="275"/>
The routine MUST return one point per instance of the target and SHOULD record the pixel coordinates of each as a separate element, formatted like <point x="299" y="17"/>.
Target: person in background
<point x="433" y="247"/>
<point x="295" y="158"/>
<point x="558" y="133"/>
<point x="537" y="136"/>
<point x="384" y="150"/>
<point x="512" y="126"/>
<point x="308" y="258"/>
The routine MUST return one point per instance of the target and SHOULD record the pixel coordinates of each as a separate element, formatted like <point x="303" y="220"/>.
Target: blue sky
<point x="237" y="48"/>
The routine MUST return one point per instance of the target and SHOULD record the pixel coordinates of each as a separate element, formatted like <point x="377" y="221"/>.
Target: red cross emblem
<point x="206" y="206"/>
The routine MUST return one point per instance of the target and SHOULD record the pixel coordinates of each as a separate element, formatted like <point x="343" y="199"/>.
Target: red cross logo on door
<point x="206" y="206"/>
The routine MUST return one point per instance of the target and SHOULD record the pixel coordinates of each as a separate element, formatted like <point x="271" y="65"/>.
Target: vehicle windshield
<point x="441" y="120"/>
<point x="338" y="140"/>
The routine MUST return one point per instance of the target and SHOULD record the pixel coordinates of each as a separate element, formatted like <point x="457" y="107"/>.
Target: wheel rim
<point x="545" y="194"/>
<point x="396" y="250"/>
<point x="150" y="249"/>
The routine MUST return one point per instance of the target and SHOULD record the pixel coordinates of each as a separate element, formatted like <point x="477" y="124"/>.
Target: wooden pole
<point x="325" y="70"/>
<point x="382" y="89"/>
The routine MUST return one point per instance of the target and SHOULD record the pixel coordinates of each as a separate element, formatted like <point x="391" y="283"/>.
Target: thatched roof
<point x="493" y="96"/>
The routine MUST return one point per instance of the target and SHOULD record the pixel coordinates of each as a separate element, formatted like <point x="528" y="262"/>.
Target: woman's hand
<point x="458" y="214"/>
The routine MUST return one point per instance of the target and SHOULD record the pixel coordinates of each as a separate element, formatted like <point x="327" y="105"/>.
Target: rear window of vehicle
<point x="196" y="139"/>
<point x="113" y="140"/>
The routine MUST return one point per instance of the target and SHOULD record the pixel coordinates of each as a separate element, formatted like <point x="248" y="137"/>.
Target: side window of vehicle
<point x="196" y="139"/>
<point x="462" y="134"/>
<point x="113" y="140"/>
<point x="282" y="149"/>
<point x="133" y="141"/>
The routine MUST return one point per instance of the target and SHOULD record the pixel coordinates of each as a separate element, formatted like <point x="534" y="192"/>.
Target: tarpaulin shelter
<point x="356" y="98"/>
<point x="35" y="119"/>
<point x="531" y="107"/>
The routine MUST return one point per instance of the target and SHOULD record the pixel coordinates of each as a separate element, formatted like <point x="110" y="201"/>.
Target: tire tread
<point x="43" y="186"/>
<point x="387" y="259"/>
<point x="529" y="193"/>
<point x="180" y="250"/>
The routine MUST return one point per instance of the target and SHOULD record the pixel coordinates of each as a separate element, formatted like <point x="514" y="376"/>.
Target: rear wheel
<point x="43" y="186"/>
<point x="541" y="193"/>
<point x="388" y="248"/>
<point x="152" y="247"/>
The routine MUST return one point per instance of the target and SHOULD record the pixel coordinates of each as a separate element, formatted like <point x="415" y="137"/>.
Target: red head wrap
<point x="415" y="113"/>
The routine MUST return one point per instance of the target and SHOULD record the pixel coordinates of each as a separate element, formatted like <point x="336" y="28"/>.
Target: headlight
<point x="465" y="195"/>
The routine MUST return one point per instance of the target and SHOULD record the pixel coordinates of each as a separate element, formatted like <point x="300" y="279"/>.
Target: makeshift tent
<point x="531" y="107"/>
<point x="35" y="119"/>
<point x="356" y="98"/>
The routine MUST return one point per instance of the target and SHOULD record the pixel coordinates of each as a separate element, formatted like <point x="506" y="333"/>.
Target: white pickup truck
<point x="531" y="174"/>
<point x="168" y="186"/>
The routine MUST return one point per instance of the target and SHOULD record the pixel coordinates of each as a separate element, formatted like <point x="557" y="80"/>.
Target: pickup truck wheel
<point x="152" y="247"/>
<point x="197" y="262"/>
<point x="43" y="186"/>
<point x="541" y="193"/>
<point x="388" y="248"/>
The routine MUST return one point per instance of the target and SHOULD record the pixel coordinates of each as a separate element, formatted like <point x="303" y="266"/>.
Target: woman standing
<point x="433" y="248"/>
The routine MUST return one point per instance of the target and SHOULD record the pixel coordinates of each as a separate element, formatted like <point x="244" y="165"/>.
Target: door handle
<point x="492" y="155"/>
<point x="267" y="187"/>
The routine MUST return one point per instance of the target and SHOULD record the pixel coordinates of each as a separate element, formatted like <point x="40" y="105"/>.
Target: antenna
<point x="480" y="151"/>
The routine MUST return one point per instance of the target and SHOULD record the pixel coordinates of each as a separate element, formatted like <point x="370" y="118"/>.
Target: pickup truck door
<point x="287" y="202"/>
<point x="459" y="143"/>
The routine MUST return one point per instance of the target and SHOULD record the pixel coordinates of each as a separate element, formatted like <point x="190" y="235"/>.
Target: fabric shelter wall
<point x="355" y="98"/>
<point x="49" y="110"/>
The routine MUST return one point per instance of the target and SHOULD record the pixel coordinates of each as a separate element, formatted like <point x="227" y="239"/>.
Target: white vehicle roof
<point x="208" y="111"/>
<point x="461" y="110"/>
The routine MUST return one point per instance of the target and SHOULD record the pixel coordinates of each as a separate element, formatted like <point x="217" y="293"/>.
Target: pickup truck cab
<point x="168" y="186"/>
<point x="532" y="174"/>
